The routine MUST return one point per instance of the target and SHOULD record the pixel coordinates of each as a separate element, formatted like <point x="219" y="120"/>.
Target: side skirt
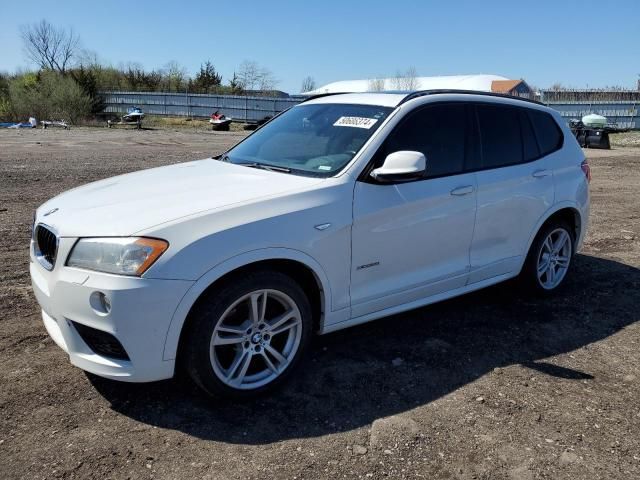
<point x="418" y="303"/>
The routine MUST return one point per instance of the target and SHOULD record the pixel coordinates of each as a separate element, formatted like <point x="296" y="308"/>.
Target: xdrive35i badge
<point x="368" y="265"/>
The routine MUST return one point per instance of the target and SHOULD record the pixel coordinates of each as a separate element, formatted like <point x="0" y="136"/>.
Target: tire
<point x="537" y="279"/>
<point x="229" y="351"/>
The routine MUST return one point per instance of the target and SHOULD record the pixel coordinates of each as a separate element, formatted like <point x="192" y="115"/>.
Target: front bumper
<point x="141" y="311"/>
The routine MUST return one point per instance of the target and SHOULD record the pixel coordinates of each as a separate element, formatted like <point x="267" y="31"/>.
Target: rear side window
<point x="529" y="143"/>
<point x="547" y="131"/>
<point x="438" y="131"/>
<point x="499" y="136"/>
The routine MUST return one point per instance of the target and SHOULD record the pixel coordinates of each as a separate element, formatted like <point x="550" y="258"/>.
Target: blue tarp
<point x="15" y="125"/>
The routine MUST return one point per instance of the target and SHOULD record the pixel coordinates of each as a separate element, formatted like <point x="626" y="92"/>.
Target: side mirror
<point x="403" y="166"/>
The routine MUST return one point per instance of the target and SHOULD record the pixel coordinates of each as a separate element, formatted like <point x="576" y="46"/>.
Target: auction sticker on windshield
<point x="358" y="122"/>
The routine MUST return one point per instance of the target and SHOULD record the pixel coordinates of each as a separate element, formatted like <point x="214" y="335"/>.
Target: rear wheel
<point x="549" y="259"/>
<point x="246" y="337"/>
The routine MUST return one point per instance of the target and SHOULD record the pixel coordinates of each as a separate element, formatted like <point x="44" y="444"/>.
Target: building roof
<point x="504" y="86"/>
<point x="480" y="82"/>
<point x="380" y="99"/>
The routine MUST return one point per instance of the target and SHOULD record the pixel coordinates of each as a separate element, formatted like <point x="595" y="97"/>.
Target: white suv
<point x="341" y="210"/>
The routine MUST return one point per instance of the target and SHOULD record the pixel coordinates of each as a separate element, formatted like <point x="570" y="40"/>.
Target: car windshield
<point x="315" y="140"/>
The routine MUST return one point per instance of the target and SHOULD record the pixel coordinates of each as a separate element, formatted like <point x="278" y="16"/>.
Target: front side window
<point x="315" y="140"/>
<point x="438" y="132"/>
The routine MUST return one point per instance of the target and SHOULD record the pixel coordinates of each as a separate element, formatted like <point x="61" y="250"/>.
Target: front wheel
<point x="246" y="337"/>
<point x="549" y="258"/>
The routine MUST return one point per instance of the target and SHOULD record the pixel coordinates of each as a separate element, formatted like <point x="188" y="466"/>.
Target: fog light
<point x="100" y="303"/>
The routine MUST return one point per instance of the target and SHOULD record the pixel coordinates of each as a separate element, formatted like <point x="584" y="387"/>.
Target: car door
<point x="515" y="188"/>
<point x="411" y="240"/>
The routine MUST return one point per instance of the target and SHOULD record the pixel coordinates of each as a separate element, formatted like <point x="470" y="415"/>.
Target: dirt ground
<point x="492" y="385"/>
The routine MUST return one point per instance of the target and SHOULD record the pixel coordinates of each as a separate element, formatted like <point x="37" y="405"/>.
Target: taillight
<point x="586" y="169"/>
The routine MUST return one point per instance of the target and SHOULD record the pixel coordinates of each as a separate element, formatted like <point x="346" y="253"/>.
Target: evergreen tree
<point x="207" y="79"/>
<point x="87" y="81"/>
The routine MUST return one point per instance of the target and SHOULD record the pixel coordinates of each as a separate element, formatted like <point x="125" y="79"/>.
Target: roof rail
<point x="422" y="93"/>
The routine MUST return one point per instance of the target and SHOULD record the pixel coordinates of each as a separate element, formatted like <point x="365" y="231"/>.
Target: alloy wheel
<point x="255" y="339"/>
<point x="554" y="258"/>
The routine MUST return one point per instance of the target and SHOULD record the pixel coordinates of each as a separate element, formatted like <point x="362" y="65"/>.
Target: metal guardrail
<point x="239" y="108"/>
<point x="624" y="114"/>
<point x="253" y="109"/>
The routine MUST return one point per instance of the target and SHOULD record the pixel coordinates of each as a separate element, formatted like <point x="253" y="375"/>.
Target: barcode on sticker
<point x="357" y="122"/>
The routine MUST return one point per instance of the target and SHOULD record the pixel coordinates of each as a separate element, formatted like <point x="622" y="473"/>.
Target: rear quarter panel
<point x="571" y="184"/>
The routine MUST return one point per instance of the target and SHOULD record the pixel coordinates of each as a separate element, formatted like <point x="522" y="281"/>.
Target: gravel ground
<point x="492" y="385"/>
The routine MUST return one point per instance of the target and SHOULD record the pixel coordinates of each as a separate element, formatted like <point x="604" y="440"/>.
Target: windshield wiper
<point x="265" y="166"/>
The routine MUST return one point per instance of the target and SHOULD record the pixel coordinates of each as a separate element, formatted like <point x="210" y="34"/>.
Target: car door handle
<point x="466" y="190"/>
<point x="541" y="173"/>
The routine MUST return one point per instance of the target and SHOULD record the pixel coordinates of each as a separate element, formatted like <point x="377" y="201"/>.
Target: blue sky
<point x="542" y="41"/>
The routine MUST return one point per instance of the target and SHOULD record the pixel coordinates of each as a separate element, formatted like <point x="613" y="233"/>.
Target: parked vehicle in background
<point x="219" y="121"/>
<point x="134" y="116"/>
<point x="344" y="209"/>
<point x="54" y="123"/>
<point x="593" y="131"/>
<point x="258" y="123"/>
<point x="31" y="123"/>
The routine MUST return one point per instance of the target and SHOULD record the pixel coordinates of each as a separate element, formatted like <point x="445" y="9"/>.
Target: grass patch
<point x="626" y="139"/>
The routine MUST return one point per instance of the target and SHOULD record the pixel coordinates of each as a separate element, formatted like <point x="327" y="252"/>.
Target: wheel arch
<point x="298" y="265"/>
<point x="566" y="211"/>
<point x="573" y="217"/>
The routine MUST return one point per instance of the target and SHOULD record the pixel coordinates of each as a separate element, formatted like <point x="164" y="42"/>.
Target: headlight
<point x="123" y="256"/>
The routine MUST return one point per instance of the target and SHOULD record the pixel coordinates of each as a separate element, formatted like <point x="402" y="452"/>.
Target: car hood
<point x="137" y="201"/>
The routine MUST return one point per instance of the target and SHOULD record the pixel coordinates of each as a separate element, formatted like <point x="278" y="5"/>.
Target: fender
<point x="233" y="263"/>
<point x="555" y="208"/>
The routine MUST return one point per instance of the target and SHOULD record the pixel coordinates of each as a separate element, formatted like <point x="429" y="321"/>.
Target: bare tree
<point x="376" y="84"/>
<point x="248" y="75"/>
<point x="411" y="77"/>
<point x="251" y="76"/>
<point x="88" y="59"/>
<point x="50" y="47"/>
<point x="407" y="80"/>
<point x="175" y="76"/>
<point x="308" y="84"/>
<point x="267" y="81"/>
<point x="397" y="81"/>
